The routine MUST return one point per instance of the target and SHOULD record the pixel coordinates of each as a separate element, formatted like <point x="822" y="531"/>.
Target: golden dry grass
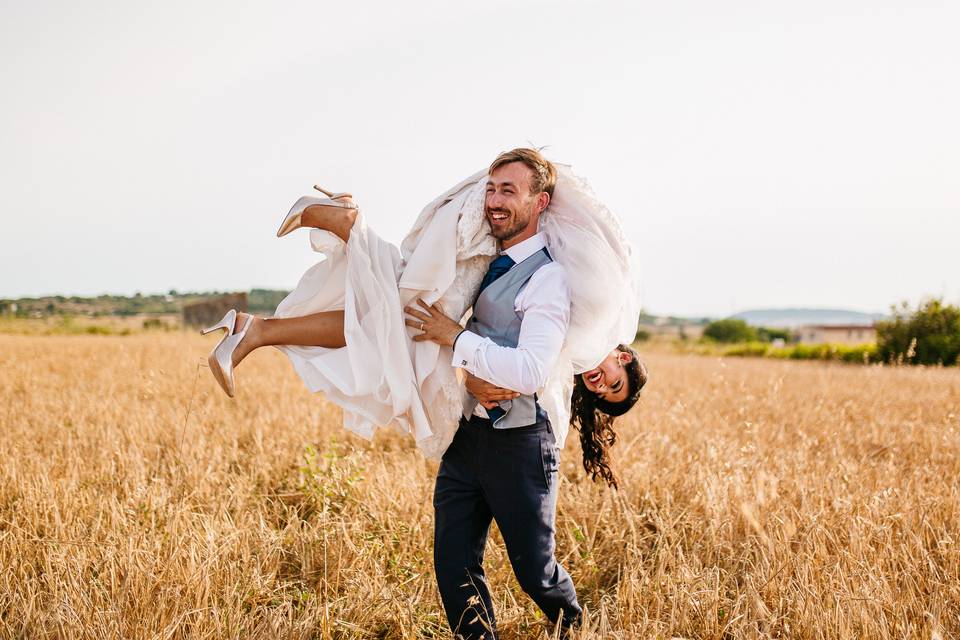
<point x="760" y="499"/>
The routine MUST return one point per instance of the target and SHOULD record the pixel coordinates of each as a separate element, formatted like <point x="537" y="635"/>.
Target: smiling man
<point x="502" y="464"/>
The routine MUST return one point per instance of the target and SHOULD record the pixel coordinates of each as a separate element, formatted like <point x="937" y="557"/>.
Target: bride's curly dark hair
<point x="593" y="417"/>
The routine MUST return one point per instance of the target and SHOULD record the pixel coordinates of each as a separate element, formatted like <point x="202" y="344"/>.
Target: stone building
<point x="207" y="312"/>
<point x="837" y="333"/>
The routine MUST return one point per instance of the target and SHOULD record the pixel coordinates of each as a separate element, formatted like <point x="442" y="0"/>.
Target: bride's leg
<point x="323" y="329"/>
<point x="337" y="220"/>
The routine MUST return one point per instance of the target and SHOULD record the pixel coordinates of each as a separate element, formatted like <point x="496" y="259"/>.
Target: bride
<point x="344" y="331"/>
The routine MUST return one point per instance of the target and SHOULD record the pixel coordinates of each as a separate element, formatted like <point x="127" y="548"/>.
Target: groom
<point x="502" y="463"/>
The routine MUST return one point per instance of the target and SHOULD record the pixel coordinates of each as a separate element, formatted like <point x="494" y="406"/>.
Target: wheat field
<point x="760" y="499"/>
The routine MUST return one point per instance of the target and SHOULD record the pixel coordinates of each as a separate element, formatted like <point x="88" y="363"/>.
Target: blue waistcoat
<point x="494" y="317"/>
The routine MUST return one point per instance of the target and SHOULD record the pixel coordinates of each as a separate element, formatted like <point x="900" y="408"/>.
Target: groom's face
<point x="512" y="211"/>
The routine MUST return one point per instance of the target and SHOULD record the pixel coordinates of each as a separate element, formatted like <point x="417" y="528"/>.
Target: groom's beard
<point x="514" y="224"/>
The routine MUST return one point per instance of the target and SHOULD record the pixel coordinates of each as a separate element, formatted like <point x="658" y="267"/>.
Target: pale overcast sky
<point x="760" y="153"/>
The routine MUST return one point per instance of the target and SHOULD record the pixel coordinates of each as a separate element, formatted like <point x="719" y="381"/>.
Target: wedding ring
<point x="421" y="326"/>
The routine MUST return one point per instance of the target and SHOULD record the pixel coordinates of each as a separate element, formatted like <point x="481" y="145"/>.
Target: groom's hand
<point x="435" y="326"/>
<point x="487" y="393"/>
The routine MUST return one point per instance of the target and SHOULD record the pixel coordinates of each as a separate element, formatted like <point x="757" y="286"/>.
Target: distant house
<point x="837" y="333"/>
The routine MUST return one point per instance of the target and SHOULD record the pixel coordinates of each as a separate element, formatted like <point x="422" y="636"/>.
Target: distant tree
<point x="642" y="335"/>
<point x="730" y="330"/>
<point x="929" y="335"/>
<point x="265" y="300"/>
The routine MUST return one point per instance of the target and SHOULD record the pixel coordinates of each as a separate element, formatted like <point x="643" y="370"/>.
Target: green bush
<point x="67" y="325"/>
<point x="730" y="330"/>
<point x="156" y="324"/>
<point x="929" y="335"/>
<point x="857" y="354"/>
<point x="812" y="352"/>
<point x="769" y="334"/>
<point x="642" y="335"/>
<point x="735" y="330"/>
<point x="98" y="330"/>
<point x="748" y="349"/>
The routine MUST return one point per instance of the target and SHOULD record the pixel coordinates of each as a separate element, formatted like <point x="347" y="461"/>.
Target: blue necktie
<point x="497" y="268"/>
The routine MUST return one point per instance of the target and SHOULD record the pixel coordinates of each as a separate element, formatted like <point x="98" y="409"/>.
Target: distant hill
<point x="789" y="318"/>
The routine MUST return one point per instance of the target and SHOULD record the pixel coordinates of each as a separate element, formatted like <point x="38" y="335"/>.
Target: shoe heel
<point x="332" y="196"/>
<point x="226" y="322"/>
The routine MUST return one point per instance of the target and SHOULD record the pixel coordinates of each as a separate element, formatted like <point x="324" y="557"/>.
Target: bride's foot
<point x="335" y="213"/>
<point x="337" y="220"/>
<point x="250" y="340"/>
<point x="224" y="355"/>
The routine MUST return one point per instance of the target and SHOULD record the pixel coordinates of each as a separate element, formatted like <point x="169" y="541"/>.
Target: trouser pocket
<point x="549" y="460"/>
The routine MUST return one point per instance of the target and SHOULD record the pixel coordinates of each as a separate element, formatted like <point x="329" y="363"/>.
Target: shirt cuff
<point x="465" y="350"/>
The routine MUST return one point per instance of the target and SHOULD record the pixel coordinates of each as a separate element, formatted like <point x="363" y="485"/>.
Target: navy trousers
<point x="507" y="475"/>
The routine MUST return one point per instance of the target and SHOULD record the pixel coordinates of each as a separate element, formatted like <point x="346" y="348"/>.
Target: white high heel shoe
<point x="292" y="220"/>
<point x="221" y="357"/>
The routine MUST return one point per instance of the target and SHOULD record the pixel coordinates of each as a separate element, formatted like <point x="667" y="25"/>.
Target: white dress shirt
<point x="544" y="309"/>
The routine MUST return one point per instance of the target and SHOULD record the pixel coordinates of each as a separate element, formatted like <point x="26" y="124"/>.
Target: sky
<point x="759" y="153"/>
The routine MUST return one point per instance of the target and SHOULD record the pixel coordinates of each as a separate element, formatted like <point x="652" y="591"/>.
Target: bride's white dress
<point x="382" y="377"/>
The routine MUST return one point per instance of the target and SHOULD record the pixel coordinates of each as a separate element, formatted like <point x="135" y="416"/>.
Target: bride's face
<point x="609" y="379"/>
<point x="511" y="210"/>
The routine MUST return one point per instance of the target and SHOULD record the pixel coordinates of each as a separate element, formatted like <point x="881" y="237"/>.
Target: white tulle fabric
<point x="382" y="377"/>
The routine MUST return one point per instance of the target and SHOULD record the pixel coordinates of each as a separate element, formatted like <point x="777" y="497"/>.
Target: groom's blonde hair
<point x="544" y="173"/>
